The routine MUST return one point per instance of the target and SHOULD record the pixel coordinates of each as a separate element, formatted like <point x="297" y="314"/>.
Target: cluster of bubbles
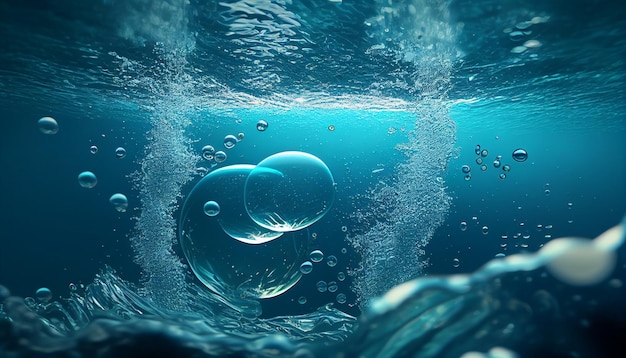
<point x="518" y="155"/>
<point x="317" y="256"/>
<point x="87" y="179"/>
<point x="521" y="32"/>
<point x="243" y="228"/>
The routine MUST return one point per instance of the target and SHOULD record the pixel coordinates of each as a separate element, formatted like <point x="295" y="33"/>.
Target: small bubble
<point x="261" y="125"/>
<point x="48" y="125"/>
<point x="306" y="267"/>
<point x="539" y="227"/>
<point x="302" y="300"/>
<point x="220" y="157"/>
<point x="343" y="250"/>
<point x="120" y="152"/>
<point x="523" y="25"/>
<point x="341" y="298"/>
<point x="332" y="286"/>
<point x="520" y="155"/>
<point x="496" y="163"/>
<point x="341" y="276"/>
<point x="516" y="36"/>
<point x="119" y="202"/>
<point x="532" y="44"/>
<point x="87" y="179"/>
<point x="331" y="128"/>
<point x="483" y="167"/>
<point x="314" y="235"/>
<point x="344" y="228"/>
<point x="466" y="169"/>
<point x="485" y="230"/>
<point x="479" y="160"/>
<point x="502" y="176"/>
<point x="547" y="192"/>
<point x="72" y="287"/>
<point x="321" y="286"/>
<point x="519" y="49"/>
<point x="477" y="149"/>
<point x="316" y="256"/>
<point x="499" y="255"/>
<point x="230" y="141"/>
<point x="43" y="294"/>
<point x="570" y="205"/>
<point x="506" y="168"/>
<point x="93" y="149"/>
<point x="211" y="208"/>
<point x="456" y="262"/>
<point x="331" y="261"/>
<point x="240" y="136"/>
<point x="463" y="226"/>
<point x="467" y="177"/>
<point x="208" y="152"/>
<point x="484" y="153"/>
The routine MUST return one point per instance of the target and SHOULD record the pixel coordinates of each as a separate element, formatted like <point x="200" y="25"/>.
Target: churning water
<point x="419" y="178"/>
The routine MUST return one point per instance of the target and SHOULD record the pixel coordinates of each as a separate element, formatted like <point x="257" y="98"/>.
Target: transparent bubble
<point x="477" y="149"/>
<point x="341" y="276"/>
<point x="211" y="208"/>
<point x="201" y="171"/>
<point x="331" y="127"/>
<point x="208" y="152"/>
<point x="237" y="269"/>
<point x="331" y="261"/>
<point x="519" y="49"/>
<point x="219" y="156"/>
<point x="261" y="125"/>
<point x="502" y="176"/>
<point x="230" y="141"/>
<point x="321" y="286"/>
<point x="289" y="191"/>
<point x="43" y="294"/>
<point x="516" y="35"/>
<point x="570" y="205"/>
<point x="302" y="300"/>
<point x="456" y="262"/>
<point x="344" y="228"/>
<point x="484" y="153"/>
<point x="314" y="235"/>
<point x="120" y="152"/>
<point x="48" y="125"/>
<point x="479" y="160"/>
<point x="332" y="286"/>
<point x="119" y="201"/>
<point x="496" y="163"/>
<point x="240" y="136"/>
<point x="306" y="267"/>
<point x="467" y="177"/>
<point x="547" y="192"/>
<point x="341" y="298"/>
<point x="485" y="230"/>
<point x="463" y="225"/>
<point x="93" y="149"/>
<point x="520" y="155"/>
<point x="344" y="250"/>
<point x="466" y="169"/>
<point x="499" y="255"/>
<point x="506" y="168"/>
<point x="87" y="179"/>
<point x="483" y="167"/>
<point x="316" y="256"/>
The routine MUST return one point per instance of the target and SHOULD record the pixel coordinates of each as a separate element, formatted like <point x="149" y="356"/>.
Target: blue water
<point x="393" y="98"/>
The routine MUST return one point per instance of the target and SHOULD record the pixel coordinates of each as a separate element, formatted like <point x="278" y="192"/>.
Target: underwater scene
<point x="313" y="178"/>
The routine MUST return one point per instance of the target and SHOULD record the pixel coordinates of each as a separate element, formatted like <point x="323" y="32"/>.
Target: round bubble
<point x="341" y="298"/>
<point x="344" y="250"/>
<point x="208" y="152"/>
<point x="496" y="163"/>
<point x="477" y="149"/>
<point x="502" y="176"/>
<point x="506" y="168"/>
<point x="120" y="152"/>
<point x="321" y="286"/>
<point x="302" y="300"/>
<point x="224" y="187"/>
<point x="344" y="228"/>
<point x="211" y="208"/>
<point x="456" y="262"/>
<point x="219" y="156"/>
<point x="119" y="202"/>
<point x="483" y="167"/>
<point x="316" y="256"/>
<point x="485" y="230"/>
<point x="289" y="191"/>
<point x="484" y="153"/>
<point x="331" y="261"/>
<point x="230" y="141"/>
<point x="234" y="268"/>
<point x="332" y="286"/>
<point x="479" y="160"/>
<point x="306" y="267"/>
<point x="341" y="276"/>
<point x="520" y="155"/>
<point x="463" y="226"/>
<point x="261" y="125"/>
<point x="467" y="177"/>
<point x="93" y="149"/>
<point x="87" y="179"/>
<point x="43" y="294"/>
<point x="48" y="125"/>
<point x="466" y="169"/>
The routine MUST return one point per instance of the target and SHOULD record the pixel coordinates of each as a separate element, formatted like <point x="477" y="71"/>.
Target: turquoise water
<point x="393" y="98"/>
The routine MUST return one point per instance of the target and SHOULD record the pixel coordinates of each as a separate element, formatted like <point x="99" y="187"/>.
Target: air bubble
<point x="456" y="262"/>
<point x="484" y="153"/>
<point x="43" y="294"/>
<point x="341" y="276"/>
<point x="208" y="152"/>
<point x="119" y="202"/>
<point x="220" y="156"/>
<point x="477" y="149"/>
<point x="466" y="169"/>
<point x="120" y="153"/>
<point x="261" y="125"/>
<point x="93" y="149"/>
<point x="341" y="298"/>
<point x="520" y="155"/>
<point x="306" y="267"/>
<point x="316" y="256"/>
<point x="485" y="230"/>
<point x="230" y="141"/>
<point x="87" y="179"/>
<point x="302" y="300"/>
<point x="331" y="261"/>
<point x="463" y="225"/>
<point x="321" y="286"/>
<point x="48" y="125"/>
<point x="332" y="286"/>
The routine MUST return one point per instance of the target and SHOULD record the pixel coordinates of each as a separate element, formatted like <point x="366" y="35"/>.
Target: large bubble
<point x="218" y="247"/>
<point x="289" y="191"/>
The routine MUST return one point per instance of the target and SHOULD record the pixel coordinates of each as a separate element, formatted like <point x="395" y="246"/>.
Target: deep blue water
<point x="347" y="82"/>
